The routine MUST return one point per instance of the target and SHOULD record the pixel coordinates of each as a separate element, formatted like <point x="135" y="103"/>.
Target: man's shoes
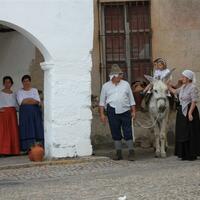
<point x="118" y="155"/>
<point x="131" y="155"/>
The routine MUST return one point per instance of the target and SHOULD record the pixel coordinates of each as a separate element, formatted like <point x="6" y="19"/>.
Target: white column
<point x="67" y="114"/>
<point x="48" y="118"/>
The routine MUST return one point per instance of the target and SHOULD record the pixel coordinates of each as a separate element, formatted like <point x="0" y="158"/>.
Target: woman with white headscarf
<point x="187" y="140"/>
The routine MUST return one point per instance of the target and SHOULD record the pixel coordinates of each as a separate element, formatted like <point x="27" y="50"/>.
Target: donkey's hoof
<point x="163" y="155"/>
<point x="157" y="154"/>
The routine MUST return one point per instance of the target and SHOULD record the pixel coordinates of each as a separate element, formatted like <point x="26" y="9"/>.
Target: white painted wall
<point x="16" y="55"/>
<point x="63" y="31"/>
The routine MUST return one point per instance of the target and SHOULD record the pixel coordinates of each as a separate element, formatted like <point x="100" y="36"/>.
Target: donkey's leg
<point x="163" y="138"/>
<point x="157" y="139"/>
<point x="166" y="131"/>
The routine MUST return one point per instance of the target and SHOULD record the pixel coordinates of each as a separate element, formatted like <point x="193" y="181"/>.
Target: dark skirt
<point x="30" y="126"/>
<point x="187" y="139"/>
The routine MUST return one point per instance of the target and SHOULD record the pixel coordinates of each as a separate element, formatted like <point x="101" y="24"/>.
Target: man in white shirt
<point x="117" y="98"/>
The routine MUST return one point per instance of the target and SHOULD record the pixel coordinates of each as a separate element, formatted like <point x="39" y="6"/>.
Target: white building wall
<point x="63" y="31"/>
<point x="16" y="55"/>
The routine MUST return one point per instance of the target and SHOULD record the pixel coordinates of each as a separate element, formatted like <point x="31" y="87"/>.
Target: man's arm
<point x="102" y="103"/>
<point x="133" y="112"/>
<point x="102" y="115"/>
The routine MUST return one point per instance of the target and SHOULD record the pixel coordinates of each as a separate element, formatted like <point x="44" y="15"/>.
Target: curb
<point x="63" y="161"/>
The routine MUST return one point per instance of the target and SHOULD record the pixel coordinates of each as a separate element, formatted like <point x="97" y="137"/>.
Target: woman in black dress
<point x="187" y="139"/>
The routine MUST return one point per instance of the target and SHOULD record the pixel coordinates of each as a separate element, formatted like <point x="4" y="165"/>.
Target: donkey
<point x="159" y="112"/>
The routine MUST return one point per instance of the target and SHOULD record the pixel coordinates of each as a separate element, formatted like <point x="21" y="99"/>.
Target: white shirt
<point x="24" y="94"/>
<point x="160" y="74"/>
<point x="7" y="100"/>
<point x="118" y="96"/>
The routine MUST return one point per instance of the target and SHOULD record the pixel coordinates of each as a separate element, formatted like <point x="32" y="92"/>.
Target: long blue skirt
<point x="30" y="126"/>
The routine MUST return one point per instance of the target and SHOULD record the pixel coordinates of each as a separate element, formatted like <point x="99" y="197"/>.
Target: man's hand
<point x="133" y="114"/>
<point x="103" y="118"/>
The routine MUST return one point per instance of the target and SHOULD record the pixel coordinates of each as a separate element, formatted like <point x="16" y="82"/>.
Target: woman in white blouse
<point x="9" y="133"/>
<point x="187" y="140"/>
<point x="30" y="115"/>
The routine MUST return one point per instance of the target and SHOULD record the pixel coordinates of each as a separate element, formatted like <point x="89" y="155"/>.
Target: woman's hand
<point x="190" y="117"/>
<point x="172" y="90"/>
<point x="30" y="101"/>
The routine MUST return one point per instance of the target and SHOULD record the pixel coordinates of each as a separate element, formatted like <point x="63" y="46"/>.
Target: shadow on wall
<point x="37" y="75"/>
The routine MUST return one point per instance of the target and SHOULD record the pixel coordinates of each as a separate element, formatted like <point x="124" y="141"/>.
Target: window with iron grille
<point x="125" y="36"/>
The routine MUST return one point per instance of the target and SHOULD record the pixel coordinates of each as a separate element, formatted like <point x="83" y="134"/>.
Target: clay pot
<point x="36" y="153"/>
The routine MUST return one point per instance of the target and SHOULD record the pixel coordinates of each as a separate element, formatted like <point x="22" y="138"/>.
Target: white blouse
<point x="25" y="94"/>
<point x="7" y="100"/>
<point x="187" y="94"/>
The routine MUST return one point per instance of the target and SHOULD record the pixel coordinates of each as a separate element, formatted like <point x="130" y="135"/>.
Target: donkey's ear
<point x="168" y="75"/>
<point x="149" y="78"/>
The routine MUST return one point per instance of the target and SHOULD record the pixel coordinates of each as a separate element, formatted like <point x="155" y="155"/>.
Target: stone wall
<point x="176" y="33"/>
<point x="36" y="71"/>
<point x="175" y="37"/>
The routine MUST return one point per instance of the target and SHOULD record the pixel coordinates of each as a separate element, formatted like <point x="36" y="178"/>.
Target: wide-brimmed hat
<point x="115" y="69"/>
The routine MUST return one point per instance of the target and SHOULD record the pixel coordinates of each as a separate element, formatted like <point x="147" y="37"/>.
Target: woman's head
<point x="26" y="81"/>
<point x="7" y="82"/>
<point x="188" y="76"/>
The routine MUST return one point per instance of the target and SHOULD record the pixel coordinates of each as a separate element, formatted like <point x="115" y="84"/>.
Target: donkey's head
<point x="159" y="98"/>
<point x="160" y="95"/>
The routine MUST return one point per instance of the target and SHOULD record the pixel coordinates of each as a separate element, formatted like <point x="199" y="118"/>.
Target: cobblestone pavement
<point x="146" y="178"/>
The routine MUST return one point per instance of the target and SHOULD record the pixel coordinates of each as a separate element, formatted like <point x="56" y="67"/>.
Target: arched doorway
<point x="67" y="68"/>
<point x="21" y="53"/>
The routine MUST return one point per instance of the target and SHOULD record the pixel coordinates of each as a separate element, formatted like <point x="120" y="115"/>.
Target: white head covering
<point x="115" y="71"/>
<point x="113" y="75"/>
<point x="189" y="74"/>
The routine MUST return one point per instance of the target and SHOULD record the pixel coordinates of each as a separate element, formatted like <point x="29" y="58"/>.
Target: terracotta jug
<point x="36" y="153"/>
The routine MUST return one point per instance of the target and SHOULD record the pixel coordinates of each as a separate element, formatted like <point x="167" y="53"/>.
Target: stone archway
<point x="54" y="28"/>
<point x="38" y="63"/>
<point x="29" y="36"/>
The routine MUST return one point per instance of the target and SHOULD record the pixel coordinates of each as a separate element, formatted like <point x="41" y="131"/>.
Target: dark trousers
<point x="118" y="122"/>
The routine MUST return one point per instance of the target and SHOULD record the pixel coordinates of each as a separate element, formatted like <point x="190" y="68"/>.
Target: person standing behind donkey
<point x="117" y="98"/>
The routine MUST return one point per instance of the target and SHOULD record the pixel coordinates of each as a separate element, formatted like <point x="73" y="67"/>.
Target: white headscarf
<point x="190" y="75"/>
<point x="113" y="75"/>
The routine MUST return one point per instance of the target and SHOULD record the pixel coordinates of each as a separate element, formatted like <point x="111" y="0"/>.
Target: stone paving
<point x="104" y="179"/>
